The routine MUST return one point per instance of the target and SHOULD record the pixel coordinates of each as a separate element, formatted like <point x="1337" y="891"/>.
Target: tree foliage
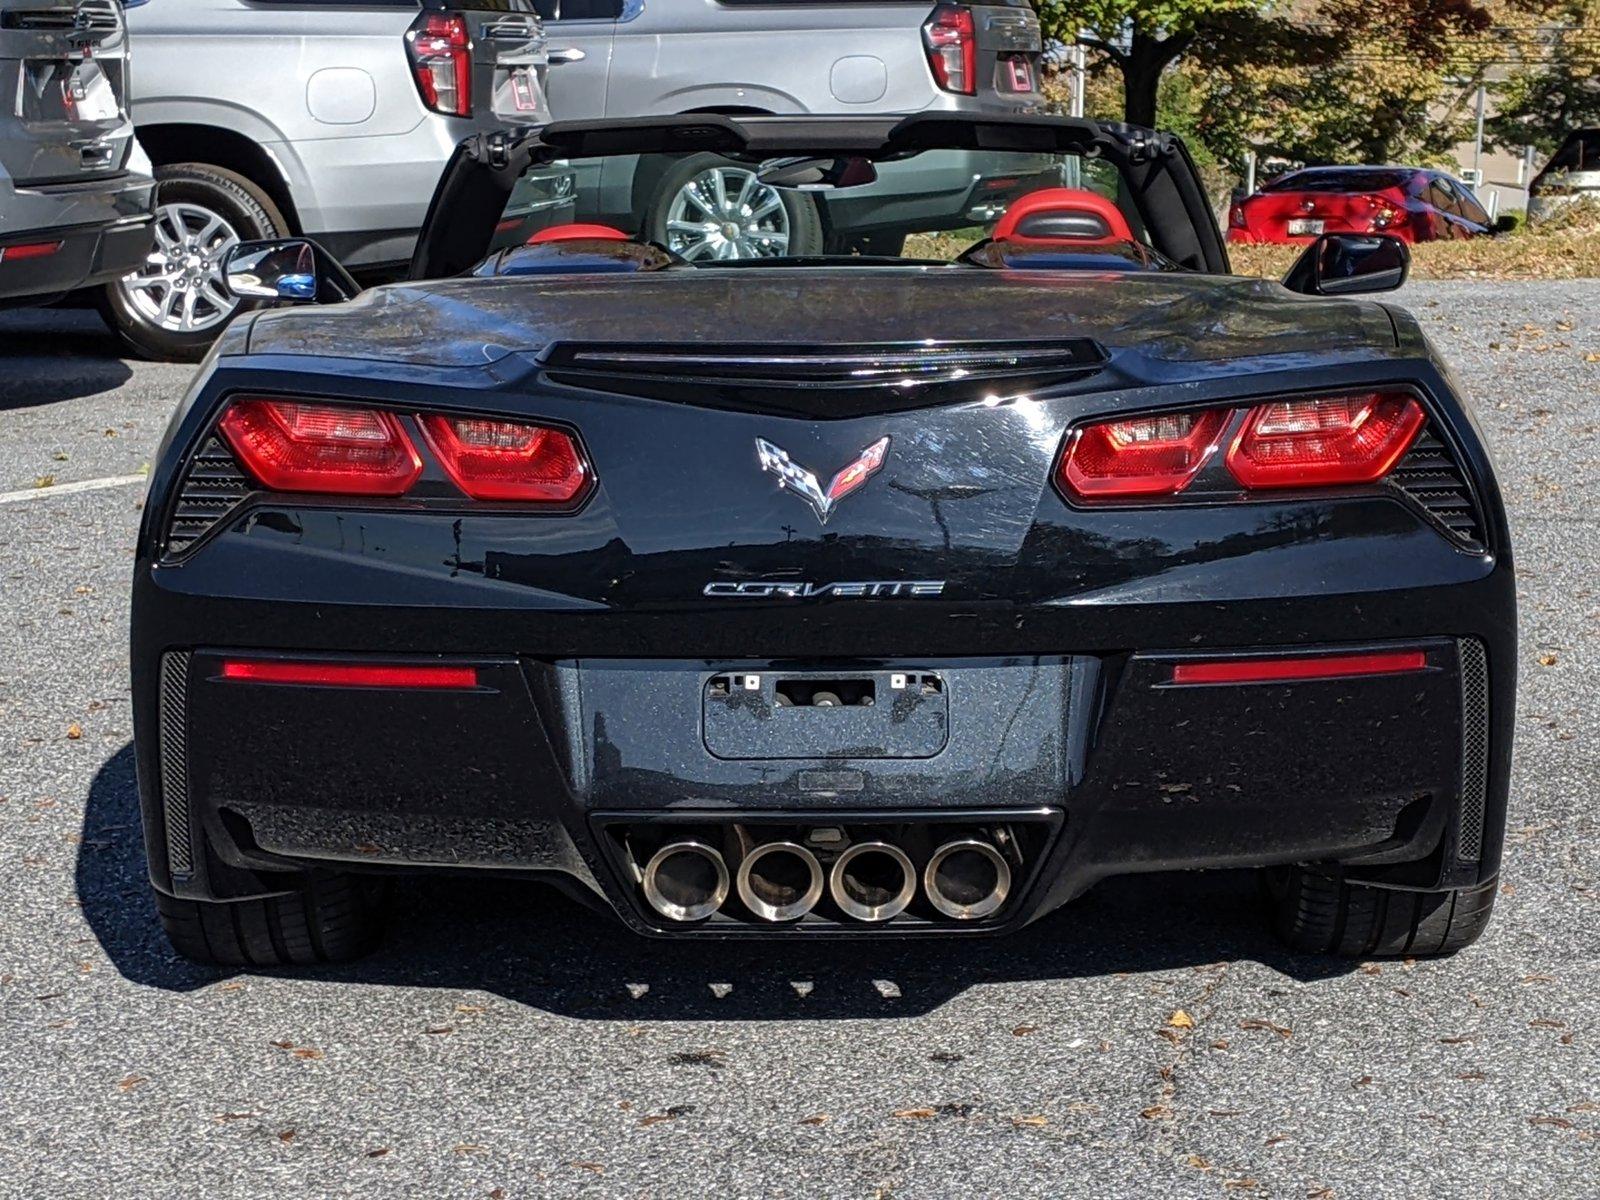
<point x="1557" y="86"/>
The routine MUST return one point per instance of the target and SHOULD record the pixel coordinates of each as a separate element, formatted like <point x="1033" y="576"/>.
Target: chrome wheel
<point x="180" y="286"/>
<point x="726" y="212"/>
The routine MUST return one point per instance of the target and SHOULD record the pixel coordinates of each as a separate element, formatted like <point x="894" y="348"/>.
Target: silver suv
<point x="624" y="58"/>
<point x="267" y="118"/>
<point x="75" y="192"/>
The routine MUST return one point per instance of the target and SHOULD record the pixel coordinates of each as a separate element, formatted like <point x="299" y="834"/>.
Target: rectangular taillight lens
<point x="296" y="446"/>
<point x="509" y="460"/>
<point x="1303" y="667"/>
<point x="952" y="48"/>
<point x="423" y="676"/>
<point x="1319" y="441"/>
<point x="440" y="47"/>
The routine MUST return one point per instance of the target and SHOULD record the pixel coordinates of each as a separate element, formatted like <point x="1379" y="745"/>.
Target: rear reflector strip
<point x="1321" y="666"/>
<point x="351" y="675"/>
<point x="30" y="251"/>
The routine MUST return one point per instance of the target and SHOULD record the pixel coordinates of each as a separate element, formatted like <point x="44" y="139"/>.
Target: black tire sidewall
<point x="805" y="222"/>
<point x="238" y="201"/>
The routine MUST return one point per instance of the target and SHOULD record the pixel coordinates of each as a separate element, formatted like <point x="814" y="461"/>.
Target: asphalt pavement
<point x="505" y="1043"/>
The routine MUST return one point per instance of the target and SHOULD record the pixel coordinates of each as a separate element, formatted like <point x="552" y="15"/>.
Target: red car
<point x="1414" y="205"/>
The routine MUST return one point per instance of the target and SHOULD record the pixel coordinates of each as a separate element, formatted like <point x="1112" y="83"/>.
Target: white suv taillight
<point x="441" y="58"/>
<point x="952" y="48"/>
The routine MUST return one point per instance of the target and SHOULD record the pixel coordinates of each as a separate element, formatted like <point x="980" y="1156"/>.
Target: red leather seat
<point x="1063" y="217"/>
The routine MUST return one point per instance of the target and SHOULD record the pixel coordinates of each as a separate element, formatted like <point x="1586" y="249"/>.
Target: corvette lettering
<point x="878" y="589"/>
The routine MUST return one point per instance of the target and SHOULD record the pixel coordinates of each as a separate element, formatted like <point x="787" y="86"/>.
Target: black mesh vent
<point x="213" y="487"/>
<point x="1474" y="747"/>
<point x="174" y="739"/>
<point x="1430" y="476"/>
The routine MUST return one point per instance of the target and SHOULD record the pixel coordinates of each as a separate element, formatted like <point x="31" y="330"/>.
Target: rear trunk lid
<point x="1010" y="46"/>
<point x="511" y="65"/>
<point x="63" y="90"/>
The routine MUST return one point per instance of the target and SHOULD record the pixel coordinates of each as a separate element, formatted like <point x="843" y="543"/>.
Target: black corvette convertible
<point x="862" y="595"/>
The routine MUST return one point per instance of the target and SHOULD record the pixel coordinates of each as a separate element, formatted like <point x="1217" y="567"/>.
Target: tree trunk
<point x="1147" y="58"/>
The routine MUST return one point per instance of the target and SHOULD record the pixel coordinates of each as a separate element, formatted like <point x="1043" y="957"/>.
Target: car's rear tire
<point x="327" y="918"/>
<point x="189" y="196"/>
<point x="1318" y="911"/>
<point x="685" y="195"/>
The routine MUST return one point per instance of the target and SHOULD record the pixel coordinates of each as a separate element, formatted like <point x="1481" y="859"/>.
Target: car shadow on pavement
<point x="534" y="946"/>
<point x="67" y="353"/>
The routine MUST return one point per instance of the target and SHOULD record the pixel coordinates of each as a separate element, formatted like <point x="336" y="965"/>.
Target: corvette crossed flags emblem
<point x="805" y="484"/>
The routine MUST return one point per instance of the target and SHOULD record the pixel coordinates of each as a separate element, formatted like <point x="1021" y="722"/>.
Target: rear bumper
<point x="103" y="229"/>
<point x="1112" y="767"/>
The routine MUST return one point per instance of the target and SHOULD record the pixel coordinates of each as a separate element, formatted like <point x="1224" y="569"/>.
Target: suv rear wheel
<point x="1318" y="911"/>
<point x="708" y="207"/>
<point x="176" y="305"/>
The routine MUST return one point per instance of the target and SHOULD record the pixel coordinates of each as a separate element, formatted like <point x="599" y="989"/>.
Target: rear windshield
<point x="1339" y="181"/>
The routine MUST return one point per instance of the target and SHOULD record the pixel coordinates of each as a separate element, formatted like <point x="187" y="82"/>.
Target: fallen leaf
<point x="468" y="1148"/>
<point x="1546" y="1023"/>
<point x="1363" y="1081"/>
<point x="44" y="481"/>
<point x="1031" y="1122"/>
<point x="1181" y="1020"/>
<point x="74" y="732"/>
<point x="816" y="1119"/>
<point x="1276" y="1138"/>
<point x="286" y="1136"/>
<point x="1254" y="1023"/>
<point x="656" y="1119"/>
<point x="378" y="1153"/>
<point x="128" y="1082"/>
<point x="586" y="1166"/>
<point x="1548" y="660"/>
<point x="472" y="1009"/>
<point x="1241" y="1185"/>
<point x="915" y="1114"/>
<point x="234" y="1116"/>
<point x="440" y="1030"/>
<point x="283" y="1045"/>
<point x="1456" y="1041"/>
<point x="1220" y="1044"/>
<point x="1557" y="1122"/>
<point x="309" y="1053"/>
<point x="1024" y="1030"/>
<point x="1156" y="1112"/>
<point x="1199" y="1163"/>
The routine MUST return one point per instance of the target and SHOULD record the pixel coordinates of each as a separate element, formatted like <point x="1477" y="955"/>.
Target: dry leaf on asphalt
<point x="1033" y="1121"/>
<point x="915" y="1114"/>
<point x="128" y="1082"/>
<point x="1181" y="1020"/>
<point x="74" y="732"/>
<point x="816" y="1119"/>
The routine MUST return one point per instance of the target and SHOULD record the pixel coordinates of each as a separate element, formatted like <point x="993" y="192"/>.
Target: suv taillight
<point x="952" y="48"/>
<point x="441" y="58"/>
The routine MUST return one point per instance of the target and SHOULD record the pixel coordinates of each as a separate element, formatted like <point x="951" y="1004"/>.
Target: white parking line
<point x="63" y="489"/>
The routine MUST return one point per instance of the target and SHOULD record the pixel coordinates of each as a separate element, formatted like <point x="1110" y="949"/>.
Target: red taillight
<point x="952" y="48"/>
<point x="441" y="57"/>
<point x="291" y="446"/>
<point x="358" y="675"/>
<point x="30" y="251"/>
<point x="508" y="460"/>
<point x="1322" y="442"/>
<point x="1318" y="666"/>
<point x="1142" y="456"/>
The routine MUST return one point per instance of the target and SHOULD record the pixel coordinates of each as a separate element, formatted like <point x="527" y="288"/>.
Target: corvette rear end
<point x="834" y="600"/>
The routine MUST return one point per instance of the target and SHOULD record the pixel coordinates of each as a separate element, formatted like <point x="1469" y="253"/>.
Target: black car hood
<point x="1161" y="316"/>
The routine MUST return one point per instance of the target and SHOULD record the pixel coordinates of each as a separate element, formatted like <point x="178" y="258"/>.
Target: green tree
<point x="1556" y="86"/>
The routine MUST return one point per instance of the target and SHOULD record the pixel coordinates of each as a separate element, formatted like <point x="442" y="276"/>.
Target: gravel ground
<point x="507" y="1044"/>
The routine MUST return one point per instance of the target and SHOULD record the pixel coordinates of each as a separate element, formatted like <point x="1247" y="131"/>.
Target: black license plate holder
<point x="829" y="714"/>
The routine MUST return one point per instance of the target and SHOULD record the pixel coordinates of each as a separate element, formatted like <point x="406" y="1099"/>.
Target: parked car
<point x="810" y="597"/>
<point x="75" y="190"/>
<point x="1410" y="203"/>
<point x="297" y="117"/>
<point x="1571" y="175"/>
<point x="627" y="58"/>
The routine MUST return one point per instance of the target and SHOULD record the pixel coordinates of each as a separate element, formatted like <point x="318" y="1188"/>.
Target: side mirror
<point x="293" y="270"/>
<point x="1347" y="264"/>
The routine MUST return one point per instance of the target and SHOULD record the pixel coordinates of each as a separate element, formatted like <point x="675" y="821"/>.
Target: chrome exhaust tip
<point x="967" y="880"/>
<point x="780" y="881"/>
<point x="686" y="881"/>
<point x="873" y="881"/>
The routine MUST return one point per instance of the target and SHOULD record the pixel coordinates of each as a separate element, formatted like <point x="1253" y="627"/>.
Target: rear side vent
<point x="1474" y="747"/>
<point x="1430" y="476"/>
<point x="174" y="766"/>
<point x="212" y="488"/>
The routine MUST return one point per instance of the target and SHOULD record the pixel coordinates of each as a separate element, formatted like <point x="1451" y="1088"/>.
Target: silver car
<point x="1571" y="177"/>
<point x="267" y="118"/>
<point x="75" y="191"/>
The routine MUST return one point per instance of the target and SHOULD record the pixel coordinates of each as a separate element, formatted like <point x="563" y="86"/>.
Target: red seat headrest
<point x="578" y="233"/>
<point x="1063" y="217"/>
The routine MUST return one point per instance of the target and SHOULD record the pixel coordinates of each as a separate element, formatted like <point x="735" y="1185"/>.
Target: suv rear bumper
<point x="103" y="228"/>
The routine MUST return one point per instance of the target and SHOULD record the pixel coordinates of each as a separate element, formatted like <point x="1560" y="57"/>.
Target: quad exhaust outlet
<point x="873" y="881"/>
<point x="967" y="880"/>
<point x="686" y="881"/>
<point x="780" y="881"/>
